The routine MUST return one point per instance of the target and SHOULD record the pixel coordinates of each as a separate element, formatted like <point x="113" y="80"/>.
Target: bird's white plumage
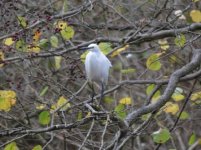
<point x="97" y="65"/>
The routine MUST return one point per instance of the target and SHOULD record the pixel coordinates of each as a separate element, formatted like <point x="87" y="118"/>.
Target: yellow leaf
<point x="61" y="101"/>
<point x="195" y="15"/>
<point x="115" y="53"/>
<point x="7" y="94"/>
<point x="33" y="48"/>
<point x="88" y="114"/>
<point x="61" y="25"/>
<point x="1" y="58"/>
<point x="163" y="44"/>
<point x="178" y="97"/>
<point x="53" y="107"/>
<point x="126" y="101"/>
<point x="153" y="62"/>
<point x="9" y="41"/>
<point x="7" y="99"/>
<point x="4" y="104"/>
<point x="13" y="102"/>
<point x="57" y="60"/>
<point x="40" y="106"/>
<point x="195" y="96"/>
<point x="37" y="35"/>
<point x="171" y="108"/>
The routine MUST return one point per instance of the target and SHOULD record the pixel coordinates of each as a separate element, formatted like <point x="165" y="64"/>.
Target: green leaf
<point x="44" y="118"/>
<point x="108" y="99"/>
<point x="54" y="41"/>
<point x="22" y="21"/>
<point x="44" y="91"/>
<point x="120" y="111"/>
<point x="161" y="136"/>
<point x="57" y="60"/>
<point x="83" y="56"/>
<point x="192" y="139"/>
<point x="149" y="90"/>
<point x="79" y="115"/>
<point x="128" y="71"/>
<point x="67" y="33"/>
<point x="105" y="47"/>
<point x="37" y="147"/>
<point x="153" y="63"/>
<point x="43" y="43"/>
<point x="20" y="46"/>
<point x="180" y="40"/>
<point x="11" y="146"/>
<point x="61" y="101"/>
<point x="184" y="115"/>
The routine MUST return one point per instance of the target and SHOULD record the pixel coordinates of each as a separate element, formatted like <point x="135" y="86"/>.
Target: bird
<point x="97" y="67"/>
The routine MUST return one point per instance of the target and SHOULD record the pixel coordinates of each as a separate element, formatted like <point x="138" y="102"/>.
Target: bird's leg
<point x="93" y="91"/>
<point x="102" y="93"/>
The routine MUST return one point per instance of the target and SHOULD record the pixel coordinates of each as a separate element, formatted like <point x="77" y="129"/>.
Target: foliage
<point x="153" y="93"/>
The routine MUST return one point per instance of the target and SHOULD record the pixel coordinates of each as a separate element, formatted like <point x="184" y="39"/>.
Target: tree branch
<point x="174" y="79"/>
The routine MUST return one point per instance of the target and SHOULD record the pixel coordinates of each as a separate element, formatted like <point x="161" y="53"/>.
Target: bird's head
<point x="94" y="47"/>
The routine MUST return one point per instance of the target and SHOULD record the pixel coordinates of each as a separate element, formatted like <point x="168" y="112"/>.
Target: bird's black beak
<point x="85" y="48"/>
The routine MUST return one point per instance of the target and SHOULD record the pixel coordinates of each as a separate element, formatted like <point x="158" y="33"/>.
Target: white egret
<point x="97" y="67"/>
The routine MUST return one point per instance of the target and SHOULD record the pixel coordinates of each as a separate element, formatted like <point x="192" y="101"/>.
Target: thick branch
<point x="174" y="79"/>
<point x="164" y="33"/>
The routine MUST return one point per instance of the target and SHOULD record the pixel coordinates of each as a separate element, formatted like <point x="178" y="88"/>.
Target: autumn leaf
<point x="195" y="16"/>
<point x="177" y="95"/>
<point x="61" y="101"/>
<point x="40" y="106"/>
<point x="163" y="44"/>
<point x="195" y="96"/>
<point x="9" y="41"/>
<point x="7" y="99"/>
<point x="126" y="101"/>
<point x="61" y="25"/>
<point x="172" y="108"/>
<point x="37" y="35"/>
<point x="118" y="51"/>
<point x="33" y="48"/>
